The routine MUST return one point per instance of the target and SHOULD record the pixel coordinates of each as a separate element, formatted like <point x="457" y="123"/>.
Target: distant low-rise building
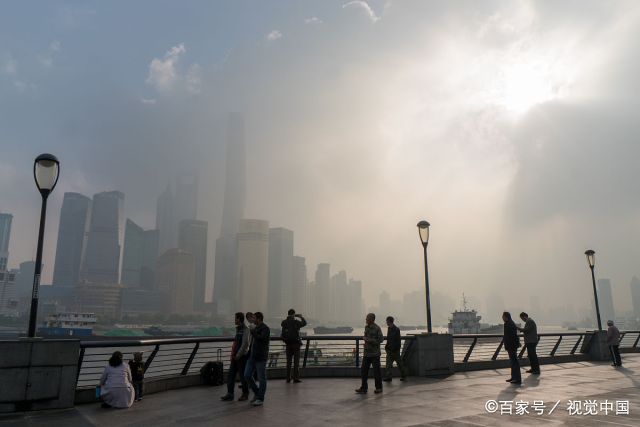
<point x="136" y="302"/>
<point x="8" y="299"/>
<point x="175" y="277"/>
<point x="104" y="300"/>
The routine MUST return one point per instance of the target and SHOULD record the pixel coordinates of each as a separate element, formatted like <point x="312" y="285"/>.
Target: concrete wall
<point x="596" y="346"/>
<point x="38" y="374"/>
<point x="429" y="354"/>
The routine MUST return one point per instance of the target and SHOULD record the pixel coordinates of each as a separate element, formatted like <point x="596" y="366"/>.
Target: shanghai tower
<point x="224" y="286"/>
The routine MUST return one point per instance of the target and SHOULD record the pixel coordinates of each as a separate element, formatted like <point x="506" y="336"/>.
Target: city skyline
<point x="514" y="135"/>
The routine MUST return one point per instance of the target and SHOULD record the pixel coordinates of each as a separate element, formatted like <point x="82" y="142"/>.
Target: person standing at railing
<point x="116" y="389"/>
<point x="291" y="337"/>
<point x="530" y="332"/>
<point x="372" y="339"/>
<point x="251" y="320"/>
<point x="613" y="341"/>
<point x="260" y="334"/>
<point x="511" y="344"/>
<point x="238" y="362"/>
<point x="392" y="348"/>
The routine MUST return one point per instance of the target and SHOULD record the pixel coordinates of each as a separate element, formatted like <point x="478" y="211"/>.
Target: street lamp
<point x="591" y="259"/>
<point x="46" y="170"/>
<point x="423" y="231"/>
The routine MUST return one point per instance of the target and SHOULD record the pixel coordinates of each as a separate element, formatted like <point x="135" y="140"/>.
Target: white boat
<point x="69" y="324"/>
<point x="464" y="321"/>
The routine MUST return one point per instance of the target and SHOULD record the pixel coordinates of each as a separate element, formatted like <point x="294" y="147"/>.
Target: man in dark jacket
<point x="372" y="339"/>
<point x="530" y="332"/>
<point x="511" y="344"/>
<point x="260" y="334"/>
<point x="394" y="343"/>
<point x="237" y="364"/>
<point x="291" y="337"/>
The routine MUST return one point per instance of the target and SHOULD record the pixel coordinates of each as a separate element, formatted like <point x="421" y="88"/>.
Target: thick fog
<point x="511" y="126"/>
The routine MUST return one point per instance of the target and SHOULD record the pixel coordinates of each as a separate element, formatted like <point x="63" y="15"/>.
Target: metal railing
<point x="629" y="340"/>
<point x="181" y="356"/>
<point x="484" y="347"/>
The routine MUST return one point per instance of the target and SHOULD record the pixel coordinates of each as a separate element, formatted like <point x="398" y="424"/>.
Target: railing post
<point x="524" y="347"/>
<point x="187" y="365"/>
<point x="471" y="347"/>
<point x="495" y="355"/>
<point x="635" y="344"/>
<point x="306" y="354"/>
<point x="80" y="359"/>
<point x="555" y="348"/>
<point x="575" y="347"/>
<point x="357" y="352"/>
<point x="151" y="357"/>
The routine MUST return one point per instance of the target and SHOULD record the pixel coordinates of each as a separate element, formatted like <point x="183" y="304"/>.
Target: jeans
<point x="237" y="367"/>
<point x="137" y="386"/>
<point x="367" y="361"/>
<point x="394" y="356"/>
<point x="260" y="367"/>
<point x="615" y="355"/>
<point x="293" y="354"/>
<point x="533" y="357"/>
<point x="515" y="365"/>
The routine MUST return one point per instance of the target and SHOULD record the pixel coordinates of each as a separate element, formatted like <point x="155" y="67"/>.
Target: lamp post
<point x="591" y="259"/>
<point x="423" y="231"/>
<point x="46" y="170"/>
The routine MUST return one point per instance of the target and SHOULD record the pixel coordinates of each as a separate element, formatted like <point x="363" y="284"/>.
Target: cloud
<point x="163" y="73"/>
<point x="46" y="59"/>
<point x="364" y="7"/>
<point x="10" y="65"/>
<point x="314" y="20"/>
<point x="274" y="35"/>
<point x="22" y="85"/>
<point x="193" y="79"/>
<point x="168" y="76"/>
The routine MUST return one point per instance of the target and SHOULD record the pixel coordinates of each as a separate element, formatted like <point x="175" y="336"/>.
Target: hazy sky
<point x="511" y="126"/>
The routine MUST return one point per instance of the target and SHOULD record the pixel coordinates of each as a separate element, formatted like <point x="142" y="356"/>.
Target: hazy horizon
<point x="510" y="126"/>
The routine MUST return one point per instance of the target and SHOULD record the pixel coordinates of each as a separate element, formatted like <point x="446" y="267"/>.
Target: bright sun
<point x="522" y="86"/>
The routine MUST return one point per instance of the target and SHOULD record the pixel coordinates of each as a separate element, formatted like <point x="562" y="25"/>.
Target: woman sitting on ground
<point x="116" y="389"/>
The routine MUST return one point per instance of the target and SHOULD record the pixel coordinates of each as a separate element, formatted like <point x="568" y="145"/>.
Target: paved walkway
<point x="458" y="400"/>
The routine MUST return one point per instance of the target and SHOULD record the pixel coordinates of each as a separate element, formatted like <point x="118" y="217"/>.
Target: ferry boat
<point x="464" y="321"/>
<point x="324" y="330"/>
<point x="69" y="324"/>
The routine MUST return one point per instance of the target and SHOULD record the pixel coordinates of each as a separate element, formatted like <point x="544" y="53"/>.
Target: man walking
<point x="511" y="344"/>
<point x="392" y="349"/>
<point x="530" y="332"/>
<point x="613" y="341"/>
<point x="260" y="334"/>
<point x="372" y="339"/>
<point x="239" y="353"/>
<point x="291" y="337"/>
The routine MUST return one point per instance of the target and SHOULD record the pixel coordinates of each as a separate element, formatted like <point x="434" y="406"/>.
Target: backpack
<point x="212" y="372"/>
<point x="290" y="333"/>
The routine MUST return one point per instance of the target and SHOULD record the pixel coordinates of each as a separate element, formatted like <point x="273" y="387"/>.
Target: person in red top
<point x="239" y="353"/>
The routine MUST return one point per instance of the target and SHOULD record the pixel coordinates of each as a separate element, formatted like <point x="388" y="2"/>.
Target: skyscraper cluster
<point x="108" y="264"/>
<point x="115" y="268"/>
<point x="255" y="266"/>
